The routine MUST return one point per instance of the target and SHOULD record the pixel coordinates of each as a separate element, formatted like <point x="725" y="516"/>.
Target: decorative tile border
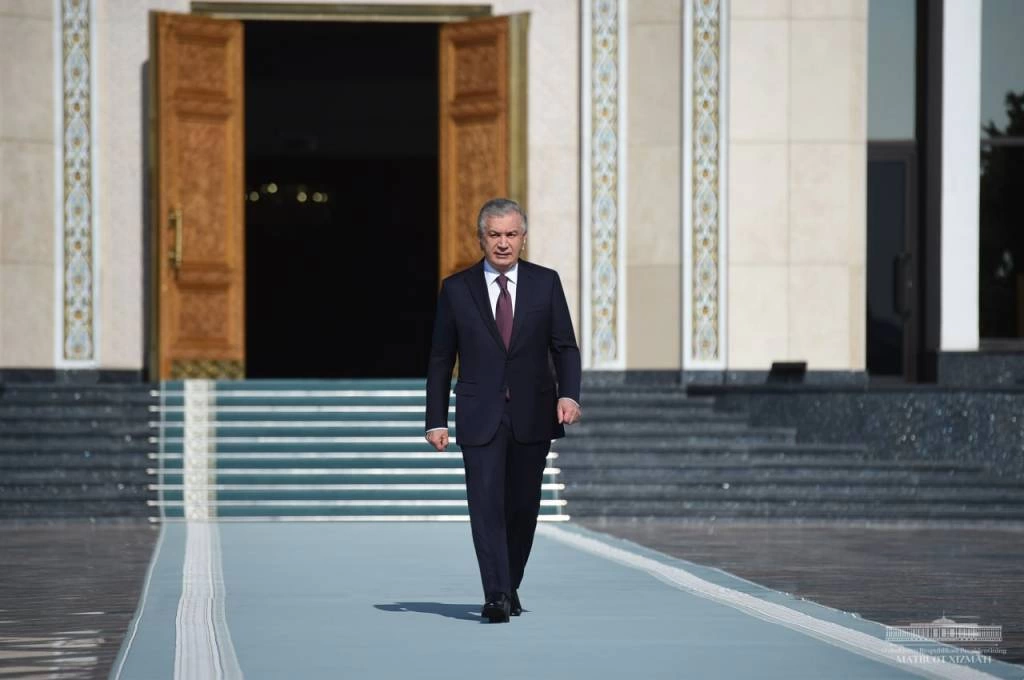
<point x="603" y="178"/>
<point x="704" y="218"/>
<point x="77" y="206"/>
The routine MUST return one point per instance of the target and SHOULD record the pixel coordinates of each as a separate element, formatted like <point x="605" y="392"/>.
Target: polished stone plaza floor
<point x="895" y="573"/>
<point x="365" y="600"/>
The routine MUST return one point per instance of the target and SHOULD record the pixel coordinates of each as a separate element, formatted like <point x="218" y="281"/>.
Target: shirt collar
<point x="491" y="274"/>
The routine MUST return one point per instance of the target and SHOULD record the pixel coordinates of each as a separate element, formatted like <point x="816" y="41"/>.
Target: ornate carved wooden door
<point x="483" y="127"/>
<point x="197" y="87"/>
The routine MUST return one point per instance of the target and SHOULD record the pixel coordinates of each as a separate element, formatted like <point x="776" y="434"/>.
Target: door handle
<point x="177" y="222"/>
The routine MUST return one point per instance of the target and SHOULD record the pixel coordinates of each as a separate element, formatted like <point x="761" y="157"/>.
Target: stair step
<point x="600" y="414"/>
<point x="341" y="476"/>
<point x="607" y="449"/>
<point x="29" y="394"/>
<point x="662" y="440"/>
<point x="47" y="413"/>
<point x="585" y="432"/>
<point x="296" y="445"/>
<point x="307" y="384"/>
<point x="796" y="508"/>
<point x="37" y="493"/>
<point x="591" y="387"/>
<point x="232" y="415"/>
<point x="246" y="508"/>
<point x="323" y="493"/>
<point x="70" y="509"/>
<point x="74" y="428"/>
<point x="68" y="475"/>
<point x="91" y="444"/>
<point x="661" y="398"/>
<point x="796" y="474"/>
<point x="176" y="515"/>
<point x="52" y="460"/>
<point x="303" y="428"/>
<point x="274" y="461"/>
<point x="778" y="493"/>
<point x="240" y="399"/>
<point x="569" y="462"/>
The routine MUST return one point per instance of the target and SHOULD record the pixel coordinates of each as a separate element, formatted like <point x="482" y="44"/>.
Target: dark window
<point x="1001" y="256"/>
<point x="888" y="211"/>
<point x="891" y="188"/>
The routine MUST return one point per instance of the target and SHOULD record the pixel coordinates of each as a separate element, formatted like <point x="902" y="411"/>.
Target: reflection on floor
<point x="892" y="573"/>
<point x="68" y="591"/>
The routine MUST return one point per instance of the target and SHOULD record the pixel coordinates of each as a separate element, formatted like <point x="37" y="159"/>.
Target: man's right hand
<point x="438" y="439"/>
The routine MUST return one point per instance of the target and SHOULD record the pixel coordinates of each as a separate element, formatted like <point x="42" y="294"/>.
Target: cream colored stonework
<point x="27" y="300"/>
<point x="26" y="310"/>
<point x="759" y="203"/>
<point x="797" y="189"/>
<point x="756" y="306"/>
<point x="759" y="80"/>
<point x="653" y="185"/>
<point x="653" y="299"/>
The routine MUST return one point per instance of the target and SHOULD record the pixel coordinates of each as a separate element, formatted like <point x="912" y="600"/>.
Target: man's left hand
<point x="568" y="411"/>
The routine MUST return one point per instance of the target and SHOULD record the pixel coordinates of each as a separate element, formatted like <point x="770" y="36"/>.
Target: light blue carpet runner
<point x="328" y="450"/>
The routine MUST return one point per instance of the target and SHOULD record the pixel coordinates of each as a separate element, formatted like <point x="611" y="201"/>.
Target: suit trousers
<point x="503" y="486"/>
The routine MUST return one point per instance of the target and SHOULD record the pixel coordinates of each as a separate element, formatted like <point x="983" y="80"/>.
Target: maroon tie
<point x="503" y="311"/>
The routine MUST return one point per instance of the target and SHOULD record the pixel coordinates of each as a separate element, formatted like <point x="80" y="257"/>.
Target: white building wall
<point x="654" y="125"/>
<point x="797" y="183"/>
<point x="27" y="184"/>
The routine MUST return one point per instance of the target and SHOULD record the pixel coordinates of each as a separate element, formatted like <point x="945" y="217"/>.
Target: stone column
<point x="961" y="125"/>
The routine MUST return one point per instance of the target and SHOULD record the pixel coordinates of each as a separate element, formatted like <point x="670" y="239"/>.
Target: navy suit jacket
<point x="541" y="364"/>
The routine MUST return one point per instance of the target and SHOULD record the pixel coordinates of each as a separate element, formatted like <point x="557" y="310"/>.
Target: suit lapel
<point x="478" y="289"/>
<point x="524" y="291"/>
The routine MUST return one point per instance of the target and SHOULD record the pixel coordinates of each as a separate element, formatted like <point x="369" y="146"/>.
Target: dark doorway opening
<point x="342" y="198"/>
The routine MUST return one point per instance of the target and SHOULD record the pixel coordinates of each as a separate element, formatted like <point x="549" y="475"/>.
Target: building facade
<point x="709" y="178"/>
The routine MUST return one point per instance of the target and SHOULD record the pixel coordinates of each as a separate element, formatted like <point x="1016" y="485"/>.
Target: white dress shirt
<point x="494" y="290"/>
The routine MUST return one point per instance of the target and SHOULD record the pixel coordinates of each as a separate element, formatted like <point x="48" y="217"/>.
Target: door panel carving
<point x="481" y="128"/>
<point x="198" y="196"/>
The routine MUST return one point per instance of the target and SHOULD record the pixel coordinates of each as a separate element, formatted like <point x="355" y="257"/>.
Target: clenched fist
<point x="568" y="411"/>
<point x="438" y="439"/>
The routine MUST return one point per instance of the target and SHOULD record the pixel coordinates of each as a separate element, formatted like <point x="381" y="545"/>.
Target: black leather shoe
<point x="497" y="610"/>
<point x="517" y="607"/>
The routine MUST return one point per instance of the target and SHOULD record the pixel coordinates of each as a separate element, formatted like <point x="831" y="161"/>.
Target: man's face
<point x="502" y="240"/>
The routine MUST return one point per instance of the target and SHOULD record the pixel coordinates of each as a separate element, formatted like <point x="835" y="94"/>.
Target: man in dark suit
<point x="508" y="322"/>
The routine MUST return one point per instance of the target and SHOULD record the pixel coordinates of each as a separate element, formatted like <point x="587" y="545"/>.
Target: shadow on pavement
<point x="463" y="612"/>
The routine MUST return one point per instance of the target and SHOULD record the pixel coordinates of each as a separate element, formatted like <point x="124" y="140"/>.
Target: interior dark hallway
<point x="342" y="198"/>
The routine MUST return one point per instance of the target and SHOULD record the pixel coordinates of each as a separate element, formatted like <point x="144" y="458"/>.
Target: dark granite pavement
<point x="68" y="591"/>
